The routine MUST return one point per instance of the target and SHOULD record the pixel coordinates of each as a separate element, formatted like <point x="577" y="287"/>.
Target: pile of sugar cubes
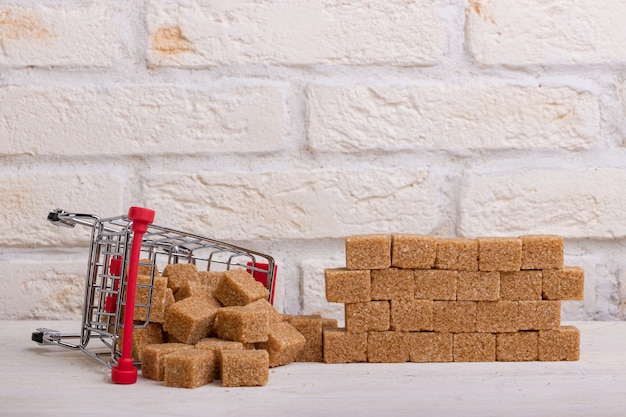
<point x="206" y="326"/>
<point x="427" y="299"/>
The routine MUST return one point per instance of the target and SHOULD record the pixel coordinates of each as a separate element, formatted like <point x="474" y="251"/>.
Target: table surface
<point x="53" y="380"/>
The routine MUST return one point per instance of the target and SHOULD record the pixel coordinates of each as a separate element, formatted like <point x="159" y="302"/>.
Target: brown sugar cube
<point x="457" y="254"/>
<point x="157" y="301"/>
<point x="238" y="288"/>
<point x="210" y="279"/>
<point x="561" y="344"/>
<point x="517" y="347"/>
<point x="217" y="345"/>
<point x="539" y="315"/>
<point x="413" y="251"/>
<point x="146" y="266"/>
<point x="284" y="343"/>
<point x="499" y="254"/>
<point x="341" y="346"/>
<point x="521" y="285"/>
<point x="411" y="316"/>
<point x="244" y="368"/>
<point x="190" y="320"/>
<point x="478" y="286"/>
<point x="263" y="304"/>
<point x="387" y="347"/>
<point x="329" y="323"/>
<point x="189" y="368"/>
<point x="178" y="274"/>
<point x="365" y="317"/>
<point x="149" y="335"/>
<point x="310" y="326"/>
<point x="368" y="251"/>
<point x="474" y="347"/>
<point x="345" y="286"/>
<point x="497" y="316"/>
<point x="392" y="284"/>
<point x="430" y="347"/>
<point x="435" y="284"/>
<point x="454" y="316"/>
<point x="564" y="284"/>
<point x="152" y="364"/>
<point x="190" y="289"/>
<point x="542" y="252"/>
<point x="242" y="324"/>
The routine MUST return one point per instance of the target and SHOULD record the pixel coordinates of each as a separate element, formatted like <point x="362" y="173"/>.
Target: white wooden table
<point x="51" y="380"/>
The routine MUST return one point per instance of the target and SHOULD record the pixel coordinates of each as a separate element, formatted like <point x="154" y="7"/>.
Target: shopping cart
<point x="119" y="246"/>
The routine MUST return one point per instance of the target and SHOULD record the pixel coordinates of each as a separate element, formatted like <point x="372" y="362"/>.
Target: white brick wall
<point x="285" y="125"/>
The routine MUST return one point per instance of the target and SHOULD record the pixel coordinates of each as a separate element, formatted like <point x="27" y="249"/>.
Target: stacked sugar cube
<point x="427" y="299"/>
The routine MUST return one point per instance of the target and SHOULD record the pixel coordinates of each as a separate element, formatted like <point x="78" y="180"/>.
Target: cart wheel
<point x="37" y="337"/>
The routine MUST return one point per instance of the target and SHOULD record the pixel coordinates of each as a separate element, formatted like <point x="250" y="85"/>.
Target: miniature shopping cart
<point x="119" y="246"/>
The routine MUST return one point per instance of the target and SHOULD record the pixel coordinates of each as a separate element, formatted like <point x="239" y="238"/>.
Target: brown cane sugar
<point x="517" y="347"/>
<point x="157" y="301"/>
<point x="392" y="284"/>
<point x="217" y="345"/>
<point x="478" y="286"/>
<point x="347" y="286"/>
<point x="190" y="320"/>
<point x="499" y="254"/>
<point x="242" y="324"/>
<point x="454" y="316"/>
<point x="284" y="343"/>
<point x="411" y="316"/>
<point x="564" y="284"/>
<point x="430" y="347"/>
<point x="244" y="368"/>
<point x="457" y="254"/>
<point x="562" y="344"/>
<point x="152" y="364"/>
<point x="189" y="368"/>
<point x="368" y="251"/>
<point x="521" y="285"/>
<point x="387" y="347"/>
<point x="434" y="284"/>
<point x="497" y="316"/>
<point x="310" y="326"/>
<point x="210" y="279"/>
<point x="263" y="304"/>
<point x="149" y="335"/>
<point x="413" y="251"/>
<point x="146" y="266"/>
<point x="539" y="315"/>
<point x="341" y="346"/>
<point x="369" y="316"/>
<point x="238" y="288"/>
<point x="474" y="347"/>
<point x="542" y="252"/>
<point x="178" y="274"/>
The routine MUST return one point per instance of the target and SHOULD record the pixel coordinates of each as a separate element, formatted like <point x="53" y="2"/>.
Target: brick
<point x="499" y="254"/>
<point x="413" y="251"/>
<point x="58" y="36"/>
<point x="365" y="317"/>
<point x="286" y="32"/>
<point x="28" y="197"/>
<point x="392" y="284"/>
<point x="539" y="315"/>
<point x="474" y="347"/>
<point x="368" y="251"/>
<point x="411" y="316"/>
<point x="516" y="347"/>
<point x="562" y="344"/>
<point x="579" y="208"/>
<point x="564" y="284"/>
<point x="478" y="286"/>
<point x="346" y="286"/>
<point x="140" y="120"/>
<point x="542" y="252"/>
<point x="387" y="347"/>
<point x="521" y="285"/>
<point x="457" y="254"/>
<point x="454" y="316"/>
<point x="497" y="316"/>
<point x="341" y="346"/>
<point x="507" y="33"/>
<point x="430" y="347"/>
<point x="436" y="117"/>
<point x="358" y="205"/>
<point x="435" y="284"/>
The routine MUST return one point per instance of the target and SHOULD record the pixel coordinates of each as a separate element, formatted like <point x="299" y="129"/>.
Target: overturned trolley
<point x="119" y="247"/>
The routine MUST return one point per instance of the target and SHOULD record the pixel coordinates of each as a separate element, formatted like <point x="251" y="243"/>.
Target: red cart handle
<point x="125" y="372"/>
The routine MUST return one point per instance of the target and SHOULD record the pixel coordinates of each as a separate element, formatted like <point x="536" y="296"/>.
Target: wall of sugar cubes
<point x="285" y="125"/>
